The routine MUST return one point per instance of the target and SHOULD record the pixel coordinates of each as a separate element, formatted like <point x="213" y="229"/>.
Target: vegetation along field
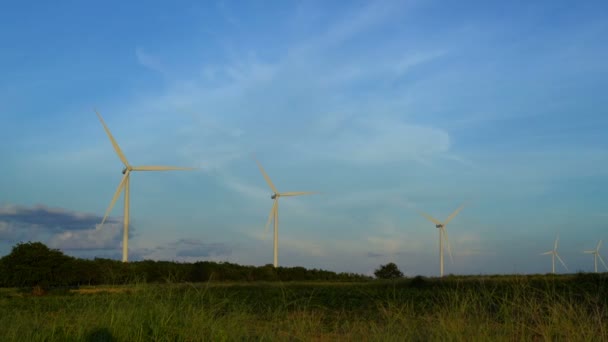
<point x="165" y="307"/>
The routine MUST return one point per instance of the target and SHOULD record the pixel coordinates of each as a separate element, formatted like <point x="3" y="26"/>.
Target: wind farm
<point x="419" y="157"/>
<point x="273" y="301"/>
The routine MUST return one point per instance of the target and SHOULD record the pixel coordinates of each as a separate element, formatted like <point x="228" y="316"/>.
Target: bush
<point x="33" y="264"/>
<point x="388" y="271"/>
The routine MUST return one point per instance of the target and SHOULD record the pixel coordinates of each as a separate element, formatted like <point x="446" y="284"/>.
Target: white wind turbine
<point x="443" y="234"/>
<point x="274" y="211"/>
<point x="596" y="255"/>
<point x="124" y="185"/>
<point x="554" y="254"/>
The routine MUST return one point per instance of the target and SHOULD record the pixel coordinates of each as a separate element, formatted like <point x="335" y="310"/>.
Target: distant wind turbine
<point x="274" y="211"/>
<point x="443" y="234"/>
<point x="554" y="255"/>
<point x="596" y="255"/>
<point x="124" y="184"/>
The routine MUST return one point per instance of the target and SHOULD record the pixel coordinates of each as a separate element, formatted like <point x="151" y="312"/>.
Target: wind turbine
<point x="554" y="254"/>
<point x="274" y="211"/>
<point x="596" y="255"/>
<point x="443" y="234"/>
<point x="124" y="185"/>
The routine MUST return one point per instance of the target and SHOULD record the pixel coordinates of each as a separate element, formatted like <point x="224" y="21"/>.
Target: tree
<point x="388" y="271"/>
<point x="34" y="264"/>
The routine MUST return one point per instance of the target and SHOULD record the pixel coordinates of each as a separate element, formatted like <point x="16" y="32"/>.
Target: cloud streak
<point x="379" y="141"/>
<point x="50" y="219"/>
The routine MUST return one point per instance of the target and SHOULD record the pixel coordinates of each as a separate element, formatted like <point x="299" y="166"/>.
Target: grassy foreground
<point x="572" y="308"/>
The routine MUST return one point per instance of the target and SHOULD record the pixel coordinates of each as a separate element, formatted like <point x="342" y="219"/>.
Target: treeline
<point x="34" y="264"/>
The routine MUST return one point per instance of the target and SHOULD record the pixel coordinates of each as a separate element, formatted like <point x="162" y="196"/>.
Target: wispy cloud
<point x="227" y="13"/>
<point x="299" y="246"/>
<point x="149" y="61"/>
<point x="265" y="95"/>
<point x="465" y="244"/>
<point x="353" y="22"/>
<point x="199" y="249"/>
<point x="106" y="237"/>
<point x="373" y="140"/>
<point x="297" y="206"/>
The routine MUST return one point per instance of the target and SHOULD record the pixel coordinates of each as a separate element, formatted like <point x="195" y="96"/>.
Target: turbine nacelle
<point x="439" y="226"/>
<point x="125" y="170"/>
<point x="274" y="196"/>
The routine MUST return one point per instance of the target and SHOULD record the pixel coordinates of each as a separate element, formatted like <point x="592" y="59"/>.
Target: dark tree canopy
<point x="388" y="271"/>
<point x="34" y="264"/>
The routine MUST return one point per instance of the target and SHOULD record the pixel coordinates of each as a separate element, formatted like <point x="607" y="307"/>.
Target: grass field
<point x="568" y="308"/>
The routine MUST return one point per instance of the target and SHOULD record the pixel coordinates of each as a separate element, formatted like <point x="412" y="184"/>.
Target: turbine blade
<point x="556" y="241"/>
<point x="298" y="193"/>
<point x="547" y="253"/>
<point x="562" y="261"/>
<point x="116" y="194"/>
<point x="266" y="177"/>
<point x="447" y="243"/>
<point x="451" y="217"/>
<point x="602" y="261"/>
<point x="589" y="252"/>
<point x="114" y="143"/>
<point x="430" y="218"/>
<point x="599" y="244"/>
<point x="161" y="168"/>
<point x="270" y="216"/>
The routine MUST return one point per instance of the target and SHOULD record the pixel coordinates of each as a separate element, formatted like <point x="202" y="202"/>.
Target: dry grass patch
<point x="96" y="290"/>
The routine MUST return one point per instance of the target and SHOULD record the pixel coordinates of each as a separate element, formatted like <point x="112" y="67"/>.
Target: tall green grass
<point x="453" y="310"/>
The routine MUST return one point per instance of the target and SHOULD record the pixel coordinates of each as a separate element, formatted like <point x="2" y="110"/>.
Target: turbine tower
<point x="443" y="234"/>
<point x="553" y="255"/>
<point x="124" y="185"/>
<point x="596" y="255"/>
<point x="274" y="211"/>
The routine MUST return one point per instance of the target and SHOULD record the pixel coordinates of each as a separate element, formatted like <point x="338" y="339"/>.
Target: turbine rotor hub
<point x="274" y="196"/>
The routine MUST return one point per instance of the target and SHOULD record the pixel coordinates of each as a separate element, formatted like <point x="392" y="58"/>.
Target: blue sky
<point x="387" y="107"/>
